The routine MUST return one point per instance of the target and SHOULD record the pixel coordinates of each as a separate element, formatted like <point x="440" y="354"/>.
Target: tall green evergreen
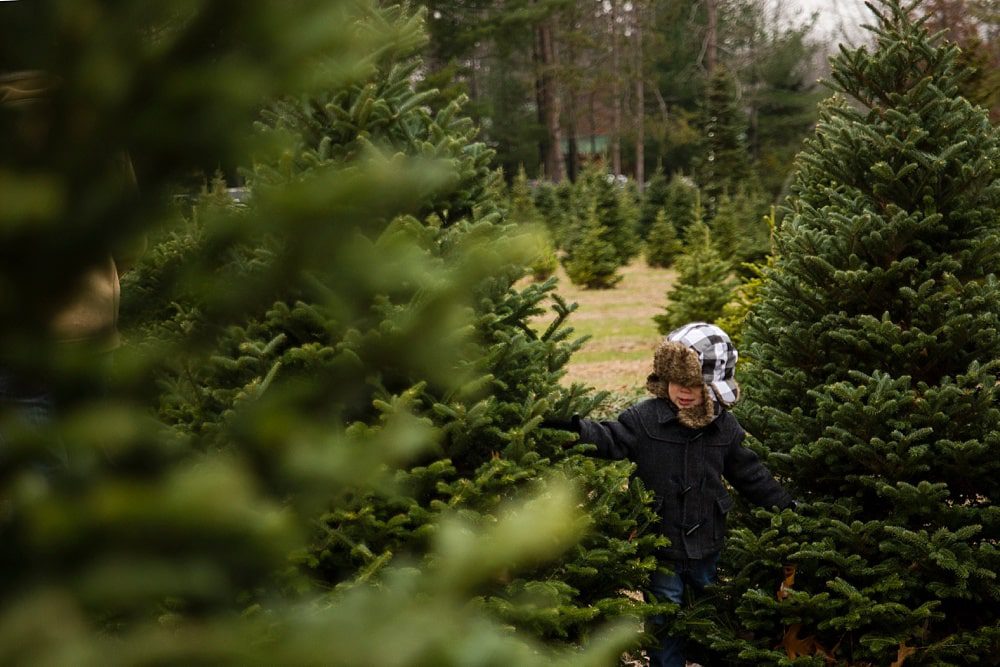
<point x="874" y="378"/>
<point x="704" y="282"/>
<point x="480" y="384"/>
<point x="723" y="162"/>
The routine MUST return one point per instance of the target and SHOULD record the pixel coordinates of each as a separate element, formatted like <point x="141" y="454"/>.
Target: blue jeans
<point x="695" y="573"/>
<point x="32" y="404"/>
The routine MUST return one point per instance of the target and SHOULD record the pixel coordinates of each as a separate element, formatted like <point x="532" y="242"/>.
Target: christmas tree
<point x="682" y="203"/>
<point x="183" y="539"/>
<point x="522" y="212"/>
<point x="594" y="263"/>
<point x="522" y="206"/>
<point x="873" y="379"/>
<point x="550" y="210"/>
<point x="663" y="246"/>
<point x="704" y="283"/>
<point x="746" y="295"/>
<point x="615" y="211"/>
<point x="723" y="161"/>
<point x="739" y="230"/>
<point x="349" y="353"/>
<point x="654" y="198"/>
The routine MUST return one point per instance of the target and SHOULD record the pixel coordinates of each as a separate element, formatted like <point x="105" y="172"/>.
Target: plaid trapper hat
<point x="717" y="355"/>
<point x="697" y="354"/>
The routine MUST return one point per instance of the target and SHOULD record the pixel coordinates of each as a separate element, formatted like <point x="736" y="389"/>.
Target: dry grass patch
<point x="619" y="321"/>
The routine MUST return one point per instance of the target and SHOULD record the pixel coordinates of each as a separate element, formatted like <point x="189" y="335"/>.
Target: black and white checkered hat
<point x="717" y="355"/>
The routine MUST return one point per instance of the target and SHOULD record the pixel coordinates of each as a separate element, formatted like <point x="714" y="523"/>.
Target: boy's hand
<point x="572" y="424"/>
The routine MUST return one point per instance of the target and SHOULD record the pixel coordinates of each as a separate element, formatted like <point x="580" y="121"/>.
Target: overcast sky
<point x="838" y="20"/>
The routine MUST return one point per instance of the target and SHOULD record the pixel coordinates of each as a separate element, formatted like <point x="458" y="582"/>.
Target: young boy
<point x="683" y="442"/>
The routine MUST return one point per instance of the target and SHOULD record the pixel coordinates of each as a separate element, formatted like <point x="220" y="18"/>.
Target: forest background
<point x="555" y="84"/>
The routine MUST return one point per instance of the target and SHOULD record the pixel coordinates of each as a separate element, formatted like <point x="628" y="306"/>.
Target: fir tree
<point x="682" y="203"/>
<point x="522" y="206"/>
<point x="738" y="228"/>
<point x="663" y="246"/>
<point x="551" y="212"/>
<point x="654" y="198"/>
<point x="746" y="296"/>
<point x="145" y="541"/>
<point x="704" y="283"/>
<point x="613" y="209"/>
<point x="874" y="377"/>
<point x="723" y="163"/>
<point x="343" y="352"/>
<point x="543" y="261"/>
<point x="594" y="263"/>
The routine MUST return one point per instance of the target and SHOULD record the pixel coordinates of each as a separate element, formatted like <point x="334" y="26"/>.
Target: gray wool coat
<point x="684" y="468"/>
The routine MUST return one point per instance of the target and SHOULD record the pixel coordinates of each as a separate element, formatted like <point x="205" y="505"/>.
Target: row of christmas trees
<point x="597" y="225"/>
<point x="323" y="442"/>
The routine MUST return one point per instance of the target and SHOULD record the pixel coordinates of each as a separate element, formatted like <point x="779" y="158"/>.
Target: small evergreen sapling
<point x="663" y="246"/>
<point x="704" y="283"/>
<point x="594" y="261"/>
<point x="614" y="209"/>
<point x="654" y="198"/>
<point x="550" y="210"/>
<point x="682" y="203"/>
<point x="522" y="212"/>
<point x="739" y="230"/>
<point x="746" y="296"/>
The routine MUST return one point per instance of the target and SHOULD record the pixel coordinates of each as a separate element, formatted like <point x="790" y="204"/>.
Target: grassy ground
<point x="619" y="354"/>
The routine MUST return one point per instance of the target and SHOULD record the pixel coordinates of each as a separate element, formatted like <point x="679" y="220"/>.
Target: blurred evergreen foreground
<point x="318" y="442"/>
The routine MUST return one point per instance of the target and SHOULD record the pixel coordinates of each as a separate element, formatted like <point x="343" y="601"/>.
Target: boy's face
<point x="685" y="397"/>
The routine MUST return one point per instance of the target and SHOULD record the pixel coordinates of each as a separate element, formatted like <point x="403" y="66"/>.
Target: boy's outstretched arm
<point x="748" y="475"/>
<point x="614" y="439"/>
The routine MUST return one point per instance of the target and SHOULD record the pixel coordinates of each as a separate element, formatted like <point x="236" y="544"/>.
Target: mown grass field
<point x="619" y="321"/>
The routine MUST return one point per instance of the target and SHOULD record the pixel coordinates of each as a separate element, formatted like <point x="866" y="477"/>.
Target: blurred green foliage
<point x="320" y="442"/>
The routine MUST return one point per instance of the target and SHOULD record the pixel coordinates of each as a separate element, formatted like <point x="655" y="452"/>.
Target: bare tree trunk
<point x="540" y="102"/>
<point x="616" y="97"/>
<point x="548" y="97"/>
<point x="640" y="100"/>
<point x="572" y="149"/>
<point x="662" y="104"/>
<point x="593" y="125"/>
<point x="711" y="36"/>
<point x="572" y="117"/>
